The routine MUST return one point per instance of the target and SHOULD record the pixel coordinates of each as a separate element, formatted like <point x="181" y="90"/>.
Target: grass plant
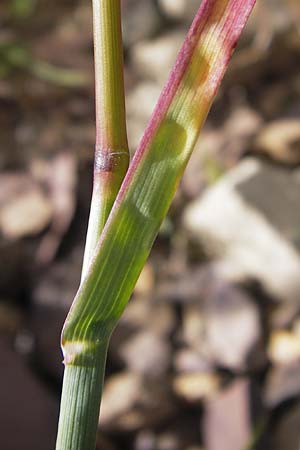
<point x="126" y="213"/>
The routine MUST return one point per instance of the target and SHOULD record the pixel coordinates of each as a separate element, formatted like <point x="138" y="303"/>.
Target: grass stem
<point x="85" y="360"/>
<point x="111" y="152"/>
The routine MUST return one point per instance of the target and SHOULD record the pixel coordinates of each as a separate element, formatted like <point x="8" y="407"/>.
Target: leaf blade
<point x="156" y="169"/>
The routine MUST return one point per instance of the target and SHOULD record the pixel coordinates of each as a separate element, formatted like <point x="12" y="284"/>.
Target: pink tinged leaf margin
<point x="214" y="33"/>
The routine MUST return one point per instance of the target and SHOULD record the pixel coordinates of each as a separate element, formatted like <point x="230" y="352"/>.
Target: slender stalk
<point x="83" y="376"/>
<point x="82" y="389"/>
<point x="111" y="152"/>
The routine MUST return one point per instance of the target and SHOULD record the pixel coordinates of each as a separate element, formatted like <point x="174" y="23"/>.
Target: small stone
<point x="232" y="327"/>
<point x="147" y="353"/>
<point x="243" y="122"/>
<point x="221" y="326"/>
<point x="138" y="318"/>
<point x="284" y="347"/>
<point x="194" y="387"/>
<point x="25" y="215"/>
<point x="131" y="402"/>
<point x="121" y="393"/>
<point x="240" y="128"/>
<point x="280" y="140"/>
<point x="183" y="10"/>
<point x="220" y="149"/>
<point x="259" y="238"/>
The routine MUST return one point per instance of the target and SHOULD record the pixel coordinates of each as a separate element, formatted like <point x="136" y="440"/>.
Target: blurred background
<point x="207" y="355"/>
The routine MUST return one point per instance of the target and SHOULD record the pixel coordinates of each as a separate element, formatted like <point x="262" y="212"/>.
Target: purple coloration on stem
<point x="107" y="160"/>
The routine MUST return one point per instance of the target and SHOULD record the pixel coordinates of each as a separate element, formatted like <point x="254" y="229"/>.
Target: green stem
<point x="111" y="153"/>
<point x="81" y="394"/>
